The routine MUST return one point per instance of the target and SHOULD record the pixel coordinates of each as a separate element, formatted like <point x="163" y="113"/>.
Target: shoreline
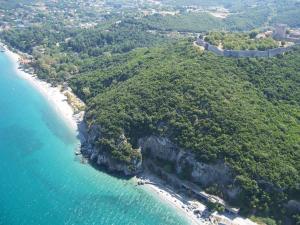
<point x="54" y="95"/>
<point x="58" y="100"/>
<point x="179" y="201"/>
<point x="185" y="205"/>
<point x="73" y="117"/>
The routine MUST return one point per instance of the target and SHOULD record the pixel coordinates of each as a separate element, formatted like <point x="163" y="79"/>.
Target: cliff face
<point x="161" y="149"/>
<point x="185" y="161"/>
<point x="97" y="154"/>
<point x="105" y="159"/>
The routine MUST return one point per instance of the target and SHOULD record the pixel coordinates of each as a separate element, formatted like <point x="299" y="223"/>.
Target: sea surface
<point x="41" y="180"/>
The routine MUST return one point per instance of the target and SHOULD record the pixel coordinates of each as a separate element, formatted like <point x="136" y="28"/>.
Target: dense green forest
<point x="242" y="111"/>
<point x="60" y="53"/>
<point x="137" y="80"/>
<point x="94" y="42"/>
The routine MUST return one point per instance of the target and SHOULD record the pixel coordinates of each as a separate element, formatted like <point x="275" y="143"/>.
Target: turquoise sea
<point x="42" y="182"/>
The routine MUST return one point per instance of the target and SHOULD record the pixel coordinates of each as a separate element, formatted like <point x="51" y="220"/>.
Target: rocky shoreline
<point x="170" y="189"/>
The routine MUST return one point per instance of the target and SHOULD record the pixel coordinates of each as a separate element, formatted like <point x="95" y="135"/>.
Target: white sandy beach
<point x="183" y="204"/>
<point x="186" y="205"/>
<point x="53" y="94"/>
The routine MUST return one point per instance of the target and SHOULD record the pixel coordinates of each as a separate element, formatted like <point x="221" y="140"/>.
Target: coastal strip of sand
<point x="56" y="96"/>
<point x="183" y="204"/>
<point x="194" y="210"/>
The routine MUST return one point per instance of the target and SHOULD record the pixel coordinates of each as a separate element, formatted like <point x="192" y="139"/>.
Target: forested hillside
<point x="61" y="53"/>
<point x="241" y="111"/>
<point x="138" y="80"/>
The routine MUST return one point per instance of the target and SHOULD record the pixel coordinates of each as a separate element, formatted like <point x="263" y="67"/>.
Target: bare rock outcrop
<point x="202" y="173"/>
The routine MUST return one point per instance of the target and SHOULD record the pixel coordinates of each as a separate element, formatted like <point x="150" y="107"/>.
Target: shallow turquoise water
<point x="42" y="182"/>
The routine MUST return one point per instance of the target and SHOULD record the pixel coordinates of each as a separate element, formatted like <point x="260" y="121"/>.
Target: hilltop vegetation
<point x="241" y="111"/>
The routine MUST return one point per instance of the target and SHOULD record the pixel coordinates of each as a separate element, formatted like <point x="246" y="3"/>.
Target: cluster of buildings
<point x="76" y="13"/>
<point x="216" y="11"/>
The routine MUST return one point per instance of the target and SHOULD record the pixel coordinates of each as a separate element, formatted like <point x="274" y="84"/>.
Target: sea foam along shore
<point x="54" y="95"/>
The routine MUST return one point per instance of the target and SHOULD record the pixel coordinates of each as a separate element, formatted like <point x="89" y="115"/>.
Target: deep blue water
<point x="42" y="182"/>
